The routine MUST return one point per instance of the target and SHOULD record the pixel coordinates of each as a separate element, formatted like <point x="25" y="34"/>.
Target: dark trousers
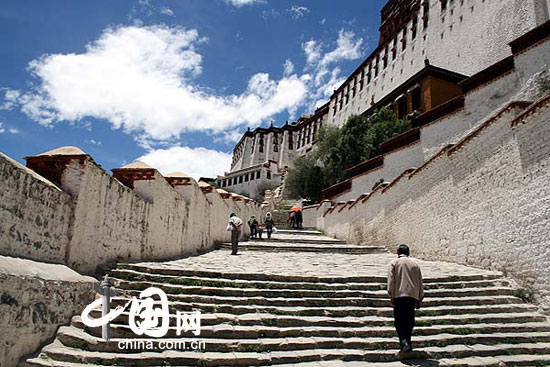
<point x="235" y="241"/>
<point x="269" y="230"/>
<point x="404" y="318"/>
<point x="253" y="231"/>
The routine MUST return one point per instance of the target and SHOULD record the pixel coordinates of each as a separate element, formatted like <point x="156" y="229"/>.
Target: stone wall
<point x="480" y="197"/>
<point x="485" y="201"/>
<point x="91" y="219"/>
<point x="35" y="215"/>
<point x="35" y="299"/>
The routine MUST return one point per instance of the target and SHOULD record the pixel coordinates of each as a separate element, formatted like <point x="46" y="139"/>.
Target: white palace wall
<point x="446" y="43"/>
<point x="482" y="201"/>
<point x="96" y="220"/>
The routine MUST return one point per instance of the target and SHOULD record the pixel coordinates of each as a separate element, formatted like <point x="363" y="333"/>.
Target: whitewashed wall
<point x="102" y="221"/>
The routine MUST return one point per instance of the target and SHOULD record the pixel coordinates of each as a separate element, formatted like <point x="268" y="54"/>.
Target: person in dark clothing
<point x="299" y="219"/>
<point x="269" y="224"/>
<point x="253" y="224"/>
<point x="406" y="290"/>
<point x="292" y="220"/>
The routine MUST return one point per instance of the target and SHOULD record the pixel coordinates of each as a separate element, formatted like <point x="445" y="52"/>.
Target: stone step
<point x="74" y="337"/>
<point x="131" y="275"/>
<point x="290" y="239"/>
<point x="297" y="293"/>
<point x="339" y="311"/>
<point x="59" y="352"/>
<point x="380" y="301"/>
<point x="495" y="361"/>
<point x="251" y="328"/>
<point x="300" y="232"/>
<point x="324" y="248"/>
<point x="155" y="269"/>
<point x="272" y="322"/>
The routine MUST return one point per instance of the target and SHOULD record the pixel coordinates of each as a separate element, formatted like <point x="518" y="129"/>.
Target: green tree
<point x="338" y="149"/>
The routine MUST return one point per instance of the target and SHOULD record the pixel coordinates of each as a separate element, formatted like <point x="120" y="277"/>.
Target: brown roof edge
<point x="440" y="111"/>
<point x="366" y="166"/>
<point x="440" y="153"/>
<point x="530" y="38"/>
<point x="401" y="140"/>
<point x="489" y="74"/>
<point x="483" y="125"/>
<point x="406" y="172"/>
<point x="336" y="189"/>
<point x="532" y="109"/>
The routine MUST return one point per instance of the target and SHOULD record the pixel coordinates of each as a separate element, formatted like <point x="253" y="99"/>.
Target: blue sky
<point x="174" y="83"/>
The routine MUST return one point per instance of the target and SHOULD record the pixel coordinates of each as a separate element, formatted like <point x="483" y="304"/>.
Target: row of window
<point x="308" y="134"/>
<point x="390" y="50"/>
<point x="251" y="176"/>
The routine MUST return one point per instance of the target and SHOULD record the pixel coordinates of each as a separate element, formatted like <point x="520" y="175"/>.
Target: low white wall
<point x="96" y="220"/>
<point x="36" y="298"/>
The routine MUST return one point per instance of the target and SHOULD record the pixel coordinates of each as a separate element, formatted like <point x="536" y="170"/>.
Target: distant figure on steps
<point x="253" y="224"/>
<point x="406" y="290"/>
<point x="269" y="224"/>
<point x="234" y="225"/>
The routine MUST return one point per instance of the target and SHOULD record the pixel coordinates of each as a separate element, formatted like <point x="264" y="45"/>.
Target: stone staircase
<point x="311" y="309"/>
<point x="296" y="240"/>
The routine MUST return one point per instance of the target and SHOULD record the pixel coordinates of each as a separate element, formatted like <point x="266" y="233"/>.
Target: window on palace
<point x="290" y="141"/>
<point x="334" y="109"/>
<point x="443" y="4"/>
<point x="261" y="148"/>
<point x="369" y="74"/>
<point x="394" y="49"/>
<point x="404" y="39"/>
<point x="402" y="107"/>
<point x="229" y="182"/>
<point x="258" y="175"/>
<point x="385" y="58"/>
<point x="361" y="80"/>
<point x="268" y="175"/>
<point x="240" y="179"/>
<point x="414" y="27"/>
<point x="275" y="142"/>
<point x="416" y="99"/>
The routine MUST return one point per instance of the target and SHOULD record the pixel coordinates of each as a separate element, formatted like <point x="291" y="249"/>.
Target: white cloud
<point x="94" y="142"/>
<point x="167" y="11"/>
<point x="241" y="3"/>
<point x="141" y="79"/>
<point x="12" y="130"/>
<point x="298" y="11"/>
<point x="271" y="13"/>
<point x="312" y="50"/>
<point x="197" y="162"/>
<point x="288" y="67"/>
<point x="10" y="99"/>
<point x="326" y="74"/>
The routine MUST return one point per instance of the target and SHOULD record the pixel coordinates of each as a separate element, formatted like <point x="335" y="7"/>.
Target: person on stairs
<point x="253" y="224"/>
<point x="406" y="290"/>
<point x="269" y="224"/>
<point x="235" y="224"/>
